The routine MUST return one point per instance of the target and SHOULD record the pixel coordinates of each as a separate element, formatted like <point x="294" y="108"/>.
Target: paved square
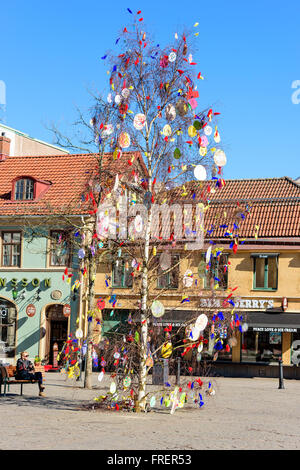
<point x="243" y="414"/>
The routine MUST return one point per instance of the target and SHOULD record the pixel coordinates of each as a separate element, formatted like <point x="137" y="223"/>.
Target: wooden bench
<point x="7" y="377"/>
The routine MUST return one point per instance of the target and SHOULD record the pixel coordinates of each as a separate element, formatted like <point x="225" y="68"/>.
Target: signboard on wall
<point x="30" y="310"/>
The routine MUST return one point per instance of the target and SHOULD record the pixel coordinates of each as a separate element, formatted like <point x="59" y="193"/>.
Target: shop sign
<point x="67" y="310"/>
<point x="253" y="304"/>
<point x="24" y="282"/>
<point x="275" y="329"/>
<point x="30" y="310"/>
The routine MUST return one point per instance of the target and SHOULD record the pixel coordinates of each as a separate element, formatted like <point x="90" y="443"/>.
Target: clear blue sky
<point x="249" y="54"/>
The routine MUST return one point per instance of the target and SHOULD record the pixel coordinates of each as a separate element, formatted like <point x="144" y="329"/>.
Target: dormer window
<point x="24" y="189"/>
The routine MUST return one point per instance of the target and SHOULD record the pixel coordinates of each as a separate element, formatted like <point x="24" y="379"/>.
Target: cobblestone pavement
<point x="243" y="414"/>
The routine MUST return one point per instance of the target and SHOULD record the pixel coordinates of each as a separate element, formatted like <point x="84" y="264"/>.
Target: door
<point x="57" y="326"/>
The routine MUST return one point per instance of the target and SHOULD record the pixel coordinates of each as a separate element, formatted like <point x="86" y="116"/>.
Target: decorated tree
<point x="157" y="139"/>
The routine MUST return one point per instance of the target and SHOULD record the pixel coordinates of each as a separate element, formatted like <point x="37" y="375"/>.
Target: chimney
<point x="4" y="147"/>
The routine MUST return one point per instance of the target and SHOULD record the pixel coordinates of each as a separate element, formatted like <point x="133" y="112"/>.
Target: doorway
<point x="57" y="332"/>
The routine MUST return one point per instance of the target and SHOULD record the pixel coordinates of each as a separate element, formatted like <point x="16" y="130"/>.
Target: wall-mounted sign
<point x="30" y="310"/>
<point x="253" y="304"/>
<point x="24" y="282"/>
<point x="67" y="310"/>
<point x="56" y="294"/>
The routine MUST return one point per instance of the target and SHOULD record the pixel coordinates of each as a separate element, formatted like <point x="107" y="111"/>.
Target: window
<point x="24" y="190"/>
<point x="121" y="274"/>
<point x="169" y="279"/>
<point x="261" y="346"/>
<point x="265" y="271"/>
<point x="217" y="272"/>
<point x="11" y="249"/>
<point x="7" y="329"/>
<point x="60" y="248"/>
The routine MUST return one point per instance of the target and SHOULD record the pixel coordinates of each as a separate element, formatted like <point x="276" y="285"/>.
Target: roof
<point x="27" y="136"/>
<point x="271" y="204"/>
<point x="69" y="175"/>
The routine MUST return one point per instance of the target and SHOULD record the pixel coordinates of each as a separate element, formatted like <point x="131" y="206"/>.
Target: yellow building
<point x="253" y="276"/>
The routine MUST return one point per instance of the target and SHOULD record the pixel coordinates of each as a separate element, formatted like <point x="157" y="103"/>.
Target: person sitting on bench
<point x="25" y="371"/>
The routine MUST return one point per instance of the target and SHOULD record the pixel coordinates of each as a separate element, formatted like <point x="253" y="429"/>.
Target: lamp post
<point x="281" y="384"/>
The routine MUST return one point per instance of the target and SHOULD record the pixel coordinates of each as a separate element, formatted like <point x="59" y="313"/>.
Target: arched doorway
<point x="8" y="319"/>
<point x="56" y="332"/>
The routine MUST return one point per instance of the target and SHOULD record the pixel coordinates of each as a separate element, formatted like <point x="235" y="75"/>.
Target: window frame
<point x="215" y="273"/>
<point x="69" y="255"/>
<point x="11" y="244"/>
<point x="168" y="286"/>
<point x="23" y="199"/>
<point x="122" y="286"/>
<point x="266" y="256"/>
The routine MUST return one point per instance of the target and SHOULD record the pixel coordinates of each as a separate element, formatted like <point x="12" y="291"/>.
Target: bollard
<point x="281" y="384"/>
<point x="178" y="371"/>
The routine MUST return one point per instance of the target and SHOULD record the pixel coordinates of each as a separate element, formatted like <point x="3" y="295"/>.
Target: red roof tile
<point x="69" y="175"/>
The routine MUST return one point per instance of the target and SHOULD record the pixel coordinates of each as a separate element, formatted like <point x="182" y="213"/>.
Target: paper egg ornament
<point x="125" y="93"/>
<point x="200" y="347"/>
<point x="201" y="322"/>
<point x="79" y="333"/>
<point x="181" y="107"/>
<point x="157" y="309"/>
<point x="192" y="131"/>
<point x="172" y="57"/>
<point x="139" y="121"/>
<point x="200" y="172"/>
<point x="117" y="153"/>
<point x="138" y="223"/>
<point x="170" y="112"/>
<point x="208" y="254"/>
<point x="167" y="131"/>
<point x="207" y="130"/>
<point x="195" y="333"/>
<point x="107" y="130"/>
<point x="124" y="140"/>
<point x="113" y="388"/>
<point x="203" y="151"/>
<point x="220" y="158"/>
<point x="127" y="382"/>
<point x="109" y="98"/>
<point x="188" y="278"/>
<point x="177" y="153"/>
<point x="204" y="141"/>
<point x="152" y="402"/>
<point x="165" y="261"/>
<point x="197" y="125"/>
<point x="118" y="99"/>
<point x="100" y="376"/>
<point x="217" y="137"/>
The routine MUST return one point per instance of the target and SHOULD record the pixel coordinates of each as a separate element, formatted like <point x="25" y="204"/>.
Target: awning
<point x="274" y="322"/>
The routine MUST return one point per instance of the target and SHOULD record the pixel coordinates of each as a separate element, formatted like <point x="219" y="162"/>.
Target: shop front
<point x="37" y="311"/>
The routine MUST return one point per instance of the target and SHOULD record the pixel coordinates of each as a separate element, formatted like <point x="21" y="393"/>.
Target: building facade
<point x="253" y="276"/>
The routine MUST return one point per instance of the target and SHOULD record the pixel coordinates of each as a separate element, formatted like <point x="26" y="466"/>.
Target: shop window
<point x="261" y="346"/>
<point x="217" y="272"/>
<point x="7" y="329"/>
<point x="295" y="349"/>
<point x="265" y="272"/>
<point x="24" y="189"/>
<point x="122" y="274"/>
<point x="59" y="248"/>
<point x="169" y="279"/>
<point x="11" y="249"/>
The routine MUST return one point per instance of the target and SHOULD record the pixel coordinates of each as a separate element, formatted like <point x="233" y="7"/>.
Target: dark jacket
<point x="25" y="369"/>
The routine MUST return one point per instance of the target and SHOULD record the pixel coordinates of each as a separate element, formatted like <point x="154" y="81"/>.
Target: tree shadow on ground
<point x="42" y="402"/>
